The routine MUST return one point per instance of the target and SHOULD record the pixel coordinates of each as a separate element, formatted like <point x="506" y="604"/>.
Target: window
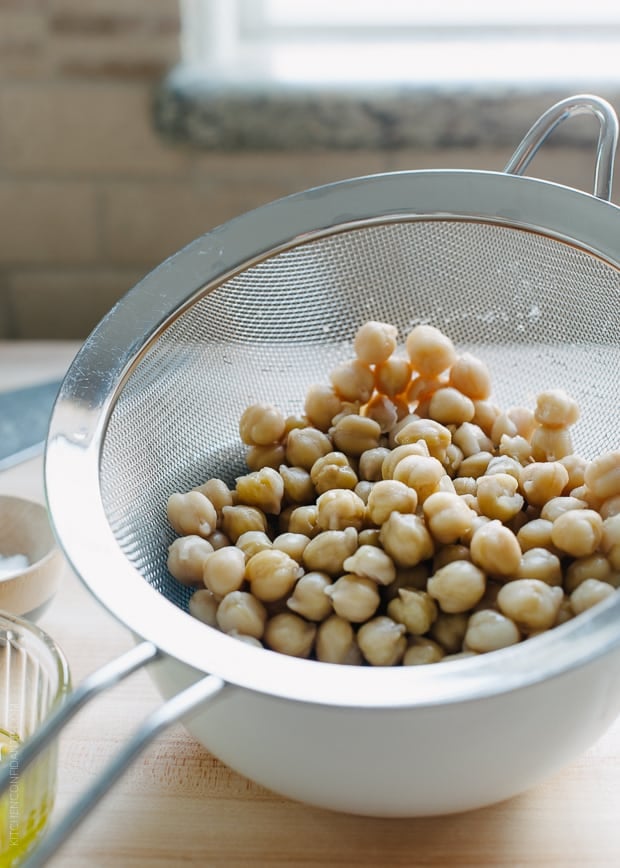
<point x="364" y="41"/>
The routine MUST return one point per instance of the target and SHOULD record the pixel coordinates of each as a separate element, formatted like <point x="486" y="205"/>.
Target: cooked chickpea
<point x="398" y="453"/>
<point x="354" y="597"/>
<point x="421" y="389"/>
<point x="503" y="427"/>
<point x="470" y="375"/>
<point x="369" y="536"/>
<point x="186" y="557"/>
<point x="449" y="631"/>
<point x="429" y="350"/>
<point x="495" y="550"/>
<point x="371" y="463"/>
<point x="530" y="603"/>
<point x="535" y="534"/>
<point x="498" y="496"/>
<point x="372" y="563"/>
<point x="450" y="407"/>
<point x="523" y="419"/>
<point x="610" y="540"/>
<point x="415" y="609"/>
<point x="555" y="409"/>
<point x="550" y="444"/>
<point x="258" y="457"/>
<point x="340" y="508"/>
<point x="218" y="540"/>
<point x="375" y="342"/>
<point x="471" y="440"/>
<point x="321" y="405"/>
<point x="353" y="381"/>
<point x="475" y="466"/>
<point x="602" y="475"/>
<point x="504" y="464"/>
<point x="224" y="571"/>
<point x="336" y="642"/>
<point x="542" y="481"/>
<point x="588" y="594"/>
<point x="575" y="466"/>
<point x="421" y="473"/>
<point x="304" y="520"/>
<point x="436" y="436"/>
<point x="485" y="414"/>
<point x="328" y="550"/>
<point x="261" y="425"/>
<point x="289" y="634"/>
<point x="594" y="566"/>
<point x="448" y="517"/>
<point x="448" y="553"/>
<point x="610" y="507"/>
<point x="305" y="445"/>
<point x="298" y="487"/>
<point x="263" y="489"/>
<point x="465" y="485"/>
<point x="272" y="574"/>
<point x="577" y="532"/>
<point x="457" y="586"/>
<point x="488" y="630"/>
<point x="332" y="471"/>
<point x="363" y="489"/>
<point x="242" y="612"/>
<point x="406" y="539"/>
<point x="253" y="541"/>
<point x="517" y="447"/>
<point x="218" y="493"/>
<point x="247" y="640"/>
<point x="240" y="519"/>
<point x="582" y="492"/>
<point x="421" y="650"/>
<point x="292" y="544"/>
<point x="539" y="563"/>
<point x="355" y="434"/>
<point x="309" y="598"/>
<point x="557" y="506"/>
<point x="191" y="514"/>
<point x="392" y="376"/>
<point x="203" y="605"/>
<point x="382" y="641"/>
<point x="383" y="411"/>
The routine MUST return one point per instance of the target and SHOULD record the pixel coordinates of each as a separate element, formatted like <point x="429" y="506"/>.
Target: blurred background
<point x="130" y="127"/>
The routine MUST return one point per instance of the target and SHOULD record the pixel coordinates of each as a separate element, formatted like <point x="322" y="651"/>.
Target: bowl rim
<point x="96" y="377"/>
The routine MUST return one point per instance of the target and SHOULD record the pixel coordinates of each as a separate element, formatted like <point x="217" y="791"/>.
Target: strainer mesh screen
<point x="542" y="313"/>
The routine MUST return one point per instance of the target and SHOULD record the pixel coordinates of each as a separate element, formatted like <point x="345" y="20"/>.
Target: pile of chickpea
<point x="403" y="518"/>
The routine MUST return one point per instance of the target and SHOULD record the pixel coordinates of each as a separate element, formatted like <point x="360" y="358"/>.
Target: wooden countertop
<point x="178" y="805"/>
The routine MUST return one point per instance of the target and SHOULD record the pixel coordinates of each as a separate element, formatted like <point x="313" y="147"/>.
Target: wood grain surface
<point x="178" y="805"/>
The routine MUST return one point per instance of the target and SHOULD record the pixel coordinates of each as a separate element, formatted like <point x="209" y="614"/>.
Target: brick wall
<point x="91" y="198"/>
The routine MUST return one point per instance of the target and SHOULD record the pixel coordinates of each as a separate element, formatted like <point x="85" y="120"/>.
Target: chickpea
<point x="290" y="634"/>
<point x="239" y="519"/>
<point x="272" y="574"/>
<point x="602" y="476"/>
<point x="448" y="517"/>
<point x="369" y="536"/>
<point x="258" y="457"/>
<point x="382" y="641"/>
<point x="541" y="482"/>
<point x="557" y="506"/>
<point x="339" y="509"/>
<point x="392" y="376"/>
<point x="353" y="381"/>
<point x="328" y="550"/>
<point x="421" y="389"/>
<point x="309" y="598"/>
<point x="457" y="587"/>
<point x="295" y="420"/>
<point x="415" y="609"/>
<point x="610" y="540"/>
<point x="517" y="447"/>
<point x="555" y="409"/>
<point x="253" y="541"/>
<point x="471" y="376"/>
<point x="551" y="444"/>
<point x="363" y="489"/>
<point x="503" y="426"/>
<point x="449" y="631"/>
<point x="304" y="520"/>
<point x="488" y="630"/>
<point x="475" y="466"/>
<point x="485" y="414"/>
<point x="224" y="571"/>
<point x="305" y="445"/>
<point x="261" y="425"/>
<point x="371" y="463"/>
<point x="436" y="436"/>
<point x="413" y="578"/>
<point x="349" y="408"/>
<point x="453" y="460"/>
<point x="530" y="603"/>
<point x="383" y="411"/>
<point x="297" y="482"/>
<point x="422" y="650"/>
<point x="354" y="597"/>
<point x="594" y="566"/>
<point x="372" y="563"/>
<point x="186" y="557"/>
<point x="465" y="485"/>
<point x="588" y="594"/>
<point x="577" y="532"/>
<point x="610" y="507"/>
<point x="355" y="434"/>
<point x="398" y="453"/>
<point x="495" y="550"/>
<point x="582" y="492"/>
<point x="292" y="544"/>
<point x="217" y="492"/>
<point x="247" y="640"/>
<point x="332" y="471"/>
<point x="450" y="407"/>
<point x="575" y="466"/>
<point x="375" y="342"/>
<point x="471" y="440"/>
<point x="263" y="489"/>
<point x="535" y="534"/>
<point x="420" y="473"/>
<point x="192" y="514"/>
<point x="336" y="642"/>
<point x="449" y="553"/>
<point x="504" y="464"/>
<point x="406" y="539"/>
<point x="321" y="405"/>
<point x="203" y="606"/>
<point x="429" y="350"/>
<point x="242" y="612"/>
<point x="523" y="420"/>
<point x="218" y="540"/>
<point x="539" y="563"/>
<point x="498" y="497"/>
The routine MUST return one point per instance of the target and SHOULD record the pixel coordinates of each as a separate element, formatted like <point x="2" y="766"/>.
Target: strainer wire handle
<point x="553" y="117"/>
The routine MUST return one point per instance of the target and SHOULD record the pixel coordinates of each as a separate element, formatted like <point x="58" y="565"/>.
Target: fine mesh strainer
<point x="524" y="273"/>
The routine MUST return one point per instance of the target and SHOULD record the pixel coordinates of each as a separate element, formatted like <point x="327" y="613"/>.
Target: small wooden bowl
<point x="25" y="530"/>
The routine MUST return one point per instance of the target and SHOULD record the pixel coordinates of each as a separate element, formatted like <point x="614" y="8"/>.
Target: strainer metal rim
<point x="85" y="400"/>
